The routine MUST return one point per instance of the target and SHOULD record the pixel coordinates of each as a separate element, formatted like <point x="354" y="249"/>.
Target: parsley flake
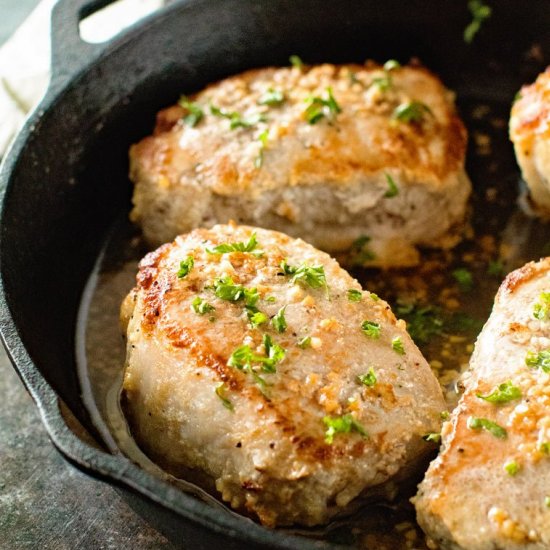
<point x="296" y="62"/>
<point x="464" y="278"/>
<point x="432" y="437"/>
<point x="354" y="295"/>
<point x="272" y="97"/>
<point x="227" y="248"/>
<point x="480" y="12"/>
<point x="201" y="307"/>
<point x="319" y="107"/>
<point x="393" y="190"/>
<point x="226" y="289"/>
<point x="495" y="268"/>
<point x="545" y="448"/>
<point x="423" y="323"/>
<point x="504" y="393"/>
<point x="512" y="467"/>
<point x="368" y="379"/>
<point x="245" y="359"/>
<point x="194" y="112"/>
<point x="412" y="111"/>
<point x="391" y="65"/>
<point x="256" y="317"/>
<point x="236" y="120"/>
<point x="444" y="415"/>
<point x="220" y="392"/>
<point x="540" y="360"/>
<point x="475" y="423"/>
<point x="341" y="424"/>
<point x="263" y="138"/>
<point x="547" y="501"/>
<point x="185" y="267"/>
<point x="397" y="345"/>
<point x="360" y="252"/>
<point x="305" y="342"/>
<point x="371" y="329"/>
<point x="279" y="321"/>
<point x="306" y="275"/>
<point x="541" y="309"/>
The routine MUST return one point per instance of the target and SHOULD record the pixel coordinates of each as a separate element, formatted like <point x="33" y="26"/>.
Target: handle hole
<point x="105" y="23"/>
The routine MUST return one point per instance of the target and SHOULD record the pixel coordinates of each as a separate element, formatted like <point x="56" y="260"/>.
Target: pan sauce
<point x="501" y="239"/>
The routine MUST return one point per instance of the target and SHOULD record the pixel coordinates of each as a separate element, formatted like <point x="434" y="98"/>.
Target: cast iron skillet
<point x="64" y="180"/>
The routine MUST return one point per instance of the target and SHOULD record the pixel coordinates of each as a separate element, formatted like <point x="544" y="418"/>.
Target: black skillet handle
<point x="69" y="52"/>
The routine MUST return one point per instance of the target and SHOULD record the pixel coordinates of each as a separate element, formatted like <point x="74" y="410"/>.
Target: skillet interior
<point x="64" y="181"/>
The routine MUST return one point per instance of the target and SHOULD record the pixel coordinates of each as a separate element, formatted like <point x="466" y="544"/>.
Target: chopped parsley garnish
<point x="185" y="267"/>
<point x="504" y="393"/>
<point x="385" y="82"/>
<point x="243" y="358"/>
<point x="313" y="276"/>
<point x="296" y="62"/>
<point x="540" y="360"/>
<point x="194" y="112"/>
<point x="545" y="448"/>
<point x="305" y="342"/>
<point x="412" y="111"/>
<point x="475" y="423"/>
<point x="201" y="307"/>
<point x="275" y="353"/>
<point x="236" y="120"/>
<point x="368" y="379"/>
<point x="547" y="501"/>
<point x="374" y="296"/>
<point x="517" y="97"/>
<point x="397" y="345"/>
<point x="433" y="437"/>
<point x="226" y="248"/>
<point x="279" y="321"/>
<point x="226" y="289"/>
<point x="256" y="317"/>
<point x="272" y="97"/>
<point x="541" y="309"/>
<point x="259" y="160"/>
<point x="220" y="392"/>
<point x="319" y="107"/>
<point x="495" y="268"/>
<point x="512" y="467"/>
<point x="391" y="64"/>
<point x="480" y="12"/>
<point x="464" y="279"/>
<point x="340" y="425"/>
<point x="371" y="329"/>
<point x="354" y="295"/>
<point x="423" y="323"/>
<point x="444" y="415"/>
<point x="393" y="190"/>
<point x="360" y="252"/>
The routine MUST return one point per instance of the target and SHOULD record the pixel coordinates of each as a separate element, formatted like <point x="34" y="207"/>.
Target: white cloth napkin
<point x="25" y="57"/>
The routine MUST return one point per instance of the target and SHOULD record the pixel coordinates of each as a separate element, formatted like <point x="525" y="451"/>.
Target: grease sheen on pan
<point x="490" y="488"/>
<point x="530" y="132"/>
<point x="264" y="437"/>
<point x="325" y="182"/>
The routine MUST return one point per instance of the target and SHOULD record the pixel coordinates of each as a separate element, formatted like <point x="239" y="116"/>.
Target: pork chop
<point x="489" y="488"/>
<point x="327" y="153"/>
<point x="254" y="358"/>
